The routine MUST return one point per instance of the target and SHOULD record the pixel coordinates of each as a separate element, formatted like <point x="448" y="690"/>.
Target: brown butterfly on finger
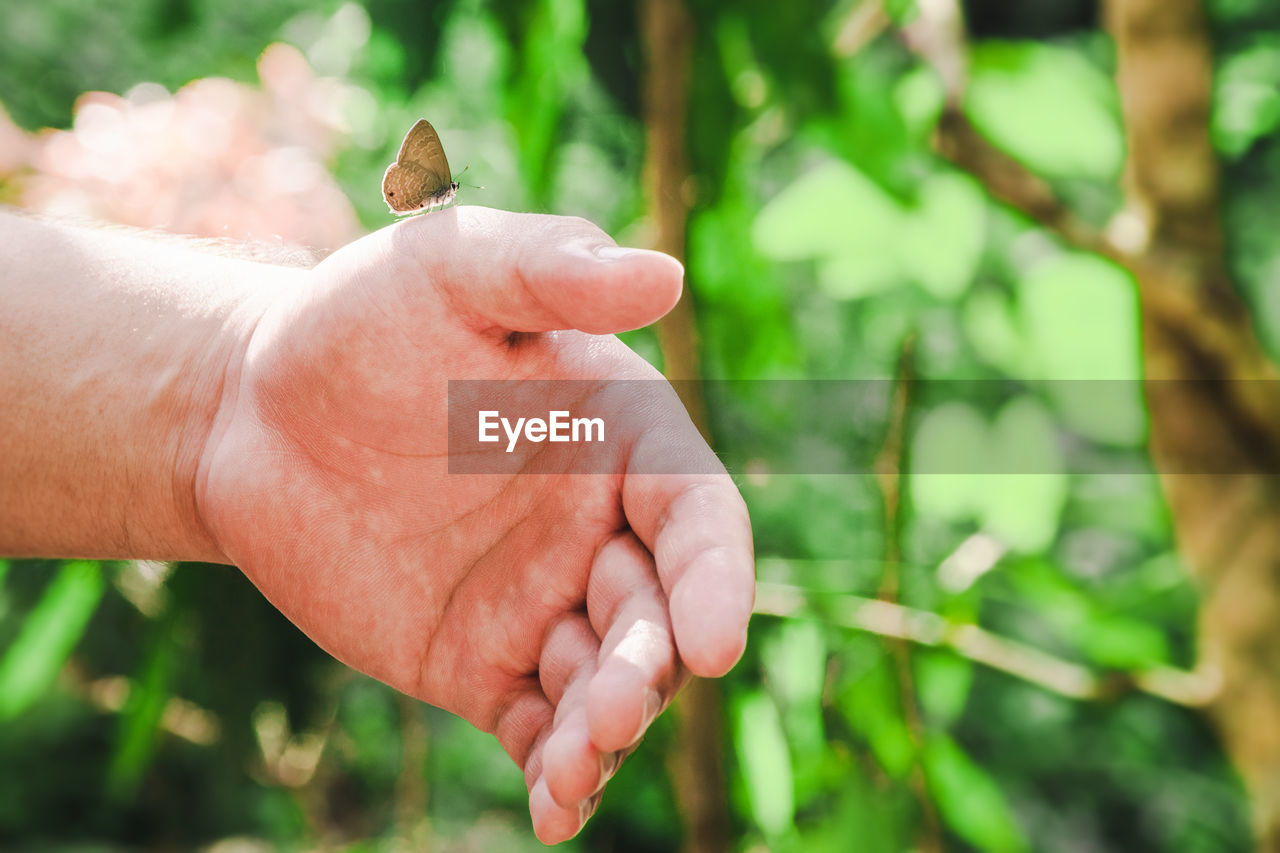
<point x="419" y="180"/>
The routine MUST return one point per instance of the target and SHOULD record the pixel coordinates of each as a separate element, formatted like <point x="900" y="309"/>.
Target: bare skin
<point x="292" y="423"/>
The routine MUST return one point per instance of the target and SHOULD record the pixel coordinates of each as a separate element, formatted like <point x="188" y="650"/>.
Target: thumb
<point x="537" y="273"/>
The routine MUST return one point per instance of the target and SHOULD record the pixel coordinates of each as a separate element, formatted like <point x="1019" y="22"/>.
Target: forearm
<point x="114" y="355"/>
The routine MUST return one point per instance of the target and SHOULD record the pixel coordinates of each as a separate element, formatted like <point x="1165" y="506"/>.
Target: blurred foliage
<point x="173" y="708"/>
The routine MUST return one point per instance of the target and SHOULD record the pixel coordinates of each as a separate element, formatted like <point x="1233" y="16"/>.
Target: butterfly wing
<point x="420" y="177"/>
<point x="422" y="145"/>
<point x="408" y="187"/>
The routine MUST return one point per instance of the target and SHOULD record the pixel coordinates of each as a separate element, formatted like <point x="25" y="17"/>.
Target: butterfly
<point x="419" y="179"/>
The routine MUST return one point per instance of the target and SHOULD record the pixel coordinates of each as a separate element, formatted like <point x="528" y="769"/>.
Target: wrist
<point x="216" y="386"/>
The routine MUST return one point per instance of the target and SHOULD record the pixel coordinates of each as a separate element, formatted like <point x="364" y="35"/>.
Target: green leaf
<point x="1123" y="643"/>
<point x="942" y="238"/>
<point x="991" y="330"/>
<point x="837" y="216"/>
<point x="795" y="659"/>
<point x="864" y="241"/>
<point x="1080" y="314"/>
<point x="949" y="439"/>
<point x="140" y="719"/>
<point x="1094" y="627"/>
<point x="901" y="11"/>
<point x="871" y="704"/>
<point x="942" y="682"/>
<point x="1246" y="103"/>
<point x="1048" y="107"/>
<point x="1042" y="587"/>
<point x="795" y="664"/>
<point x="766" y="763"/>
<point x="877" y="816"/>
<point x="919" y="97"/>
<point x="1009" y="476"/>
<point x="50" y="632"/>
<point x="968" y="799"/>
<point x="1023" y="505"/>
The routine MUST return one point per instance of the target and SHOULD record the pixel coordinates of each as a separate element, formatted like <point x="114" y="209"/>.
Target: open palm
<point x="558" y="612"/>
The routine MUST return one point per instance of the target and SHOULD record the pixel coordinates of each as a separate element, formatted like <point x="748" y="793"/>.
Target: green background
<point x="826" y="240"/>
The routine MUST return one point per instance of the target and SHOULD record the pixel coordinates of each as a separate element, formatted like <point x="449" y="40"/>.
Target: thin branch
<point x="937" y="35"/>
<point x="1073" y="680"/>
<point x="864" y="22"/>
<point x="1012" y="183"/>
<point x="889" y="467"/>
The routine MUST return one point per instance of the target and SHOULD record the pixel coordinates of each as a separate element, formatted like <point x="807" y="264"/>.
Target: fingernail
<point x="608" y="764"/>
<point x="587" y="808"/>
<point x="615" y="253"/>
<point x="652" y="705"/>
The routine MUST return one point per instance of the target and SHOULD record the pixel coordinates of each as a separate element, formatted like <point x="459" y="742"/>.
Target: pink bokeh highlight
<point x="217" y="158"/>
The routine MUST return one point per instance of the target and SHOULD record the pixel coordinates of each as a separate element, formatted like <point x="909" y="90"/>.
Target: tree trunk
<point x="697" y="764"/>
<point x="1228" y="428"/>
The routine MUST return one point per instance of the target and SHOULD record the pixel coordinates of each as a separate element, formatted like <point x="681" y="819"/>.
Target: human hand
<point x="560" y="613"/>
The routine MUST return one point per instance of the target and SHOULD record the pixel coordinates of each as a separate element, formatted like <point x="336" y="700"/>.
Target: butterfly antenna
<point x="463" y="172"/>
